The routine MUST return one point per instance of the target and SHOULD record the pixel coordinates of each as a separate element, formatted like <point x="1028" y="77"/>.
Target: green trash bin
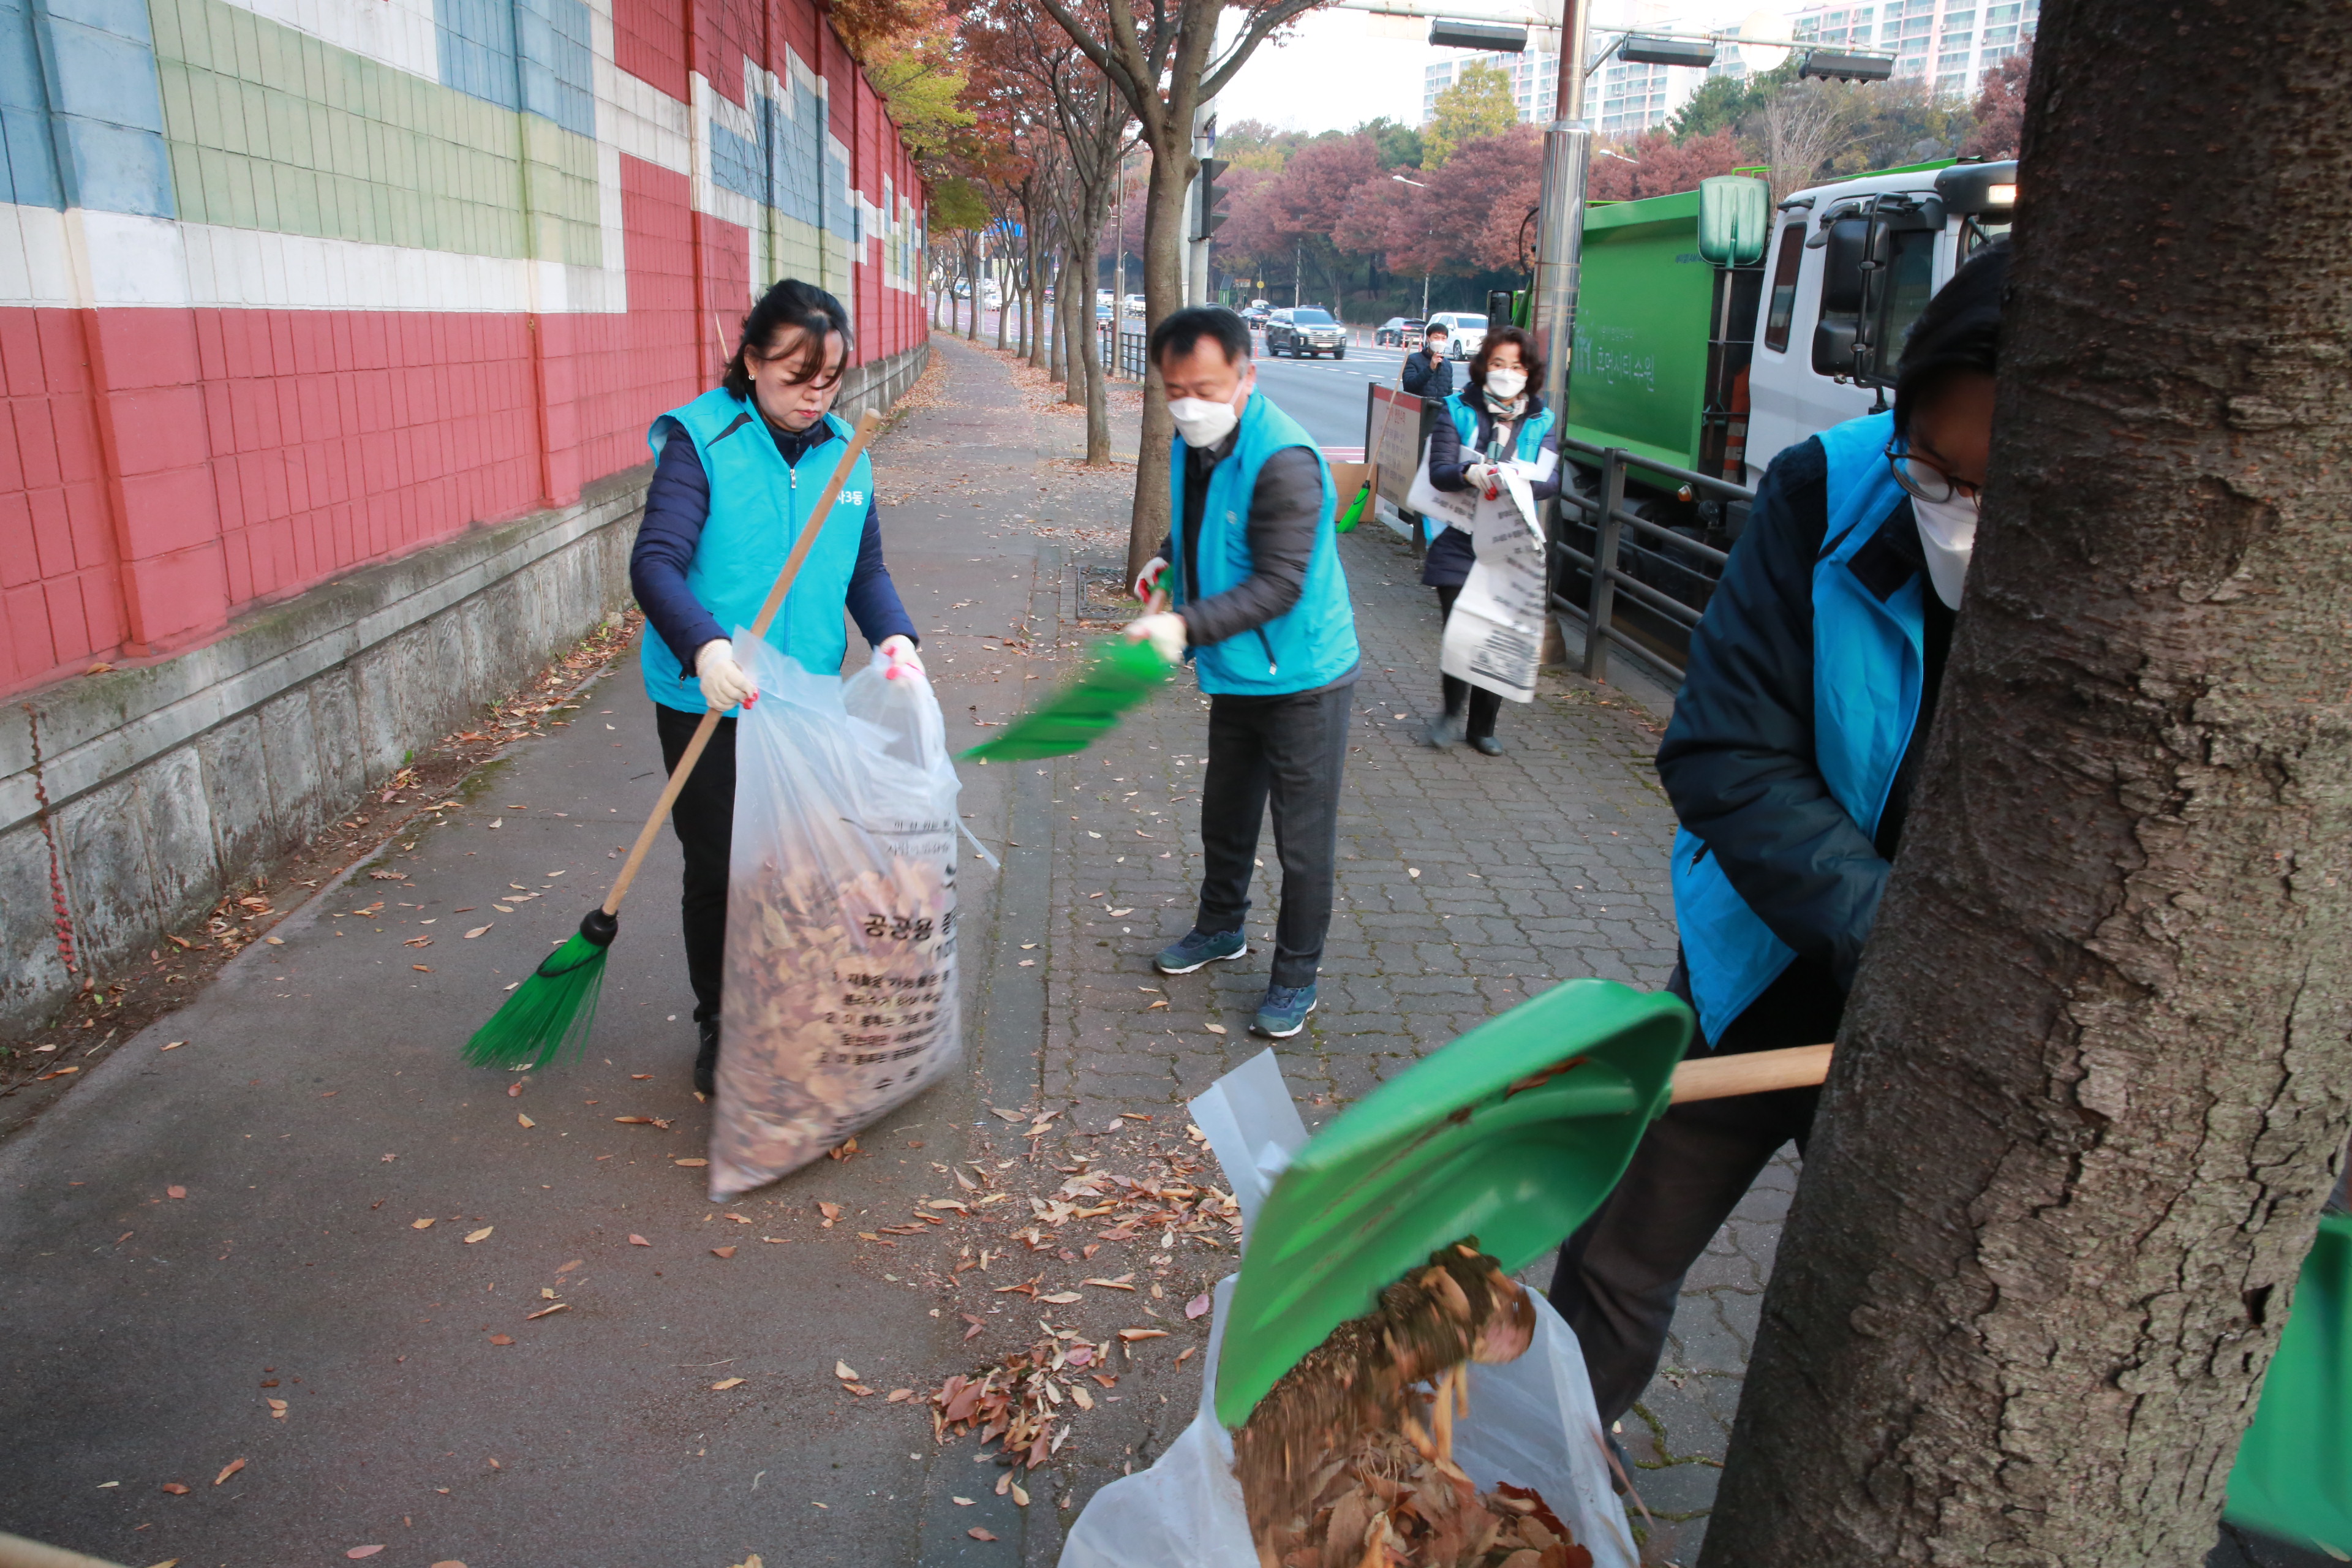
<point x="2294" y="1474"/>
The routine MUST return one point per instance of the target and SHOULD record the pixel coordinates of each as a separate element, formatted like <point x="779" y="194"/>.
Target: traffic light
<point x="1206" y="217"/>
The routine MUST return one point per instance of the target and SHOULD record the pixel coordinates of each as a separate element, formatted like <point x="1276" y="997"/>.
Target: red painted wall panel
<point x="163" y="471"/>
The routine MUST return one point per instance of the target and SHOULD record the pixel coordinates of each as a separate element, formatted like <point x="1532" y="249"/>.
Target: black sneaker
<point x="706" y="1060"/>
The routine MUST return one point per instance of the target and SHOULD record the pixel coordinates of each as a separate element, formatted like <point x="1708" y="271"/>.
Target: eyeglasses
<point x="1920" y="478"/>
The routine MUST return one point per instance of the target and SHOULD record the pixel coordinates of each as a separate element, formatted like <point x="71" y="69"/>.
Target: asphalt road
<point x="1327" y="396"/>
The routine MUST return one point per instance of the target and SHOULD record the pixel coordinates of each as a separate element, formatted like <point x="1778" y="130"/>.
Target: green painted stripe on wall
<point x="271" y="129"/>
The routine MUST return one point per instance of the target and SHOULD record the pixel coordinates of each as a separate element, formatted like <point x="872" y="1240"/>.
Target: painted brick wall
<point x="289" y="287"/>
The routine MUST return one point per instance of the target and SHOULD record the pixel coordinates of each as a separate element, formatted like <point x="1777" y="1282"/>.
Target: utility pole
<point x="1119" y="275"/>
<point x="1559" y="241"/>
<point x="1204" y="146"/>
<point x="1297" y="273"/>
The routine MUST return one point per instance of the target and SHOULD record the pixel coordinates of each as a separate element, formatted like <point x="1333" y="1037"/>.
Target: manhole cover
<point x="1103" y="596"/>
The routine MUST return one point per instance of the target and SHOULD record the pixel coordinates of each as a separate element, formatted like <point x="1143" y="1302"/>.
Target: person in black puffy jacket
<point x="1509" y="423"/>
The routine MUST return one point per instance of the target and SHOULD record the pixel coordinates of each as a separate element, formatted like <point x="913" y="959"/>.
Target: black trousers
<point x="1286" y="751"/>
<point x="1485" y="706"/>
<point x="704" y="820"/>
<point x="1621" y="1274"/>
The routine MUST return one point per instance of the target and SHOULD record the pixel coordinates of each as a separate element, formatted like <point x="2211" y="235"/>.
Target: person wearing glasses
<point x="1791" y="760"/>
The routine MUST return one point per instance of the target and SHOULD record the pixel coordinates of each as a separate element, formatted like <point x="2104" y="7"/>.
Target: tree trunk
<point x="1082" y="325"/>
<point x="1097" y="395"/>
<point x="2094" y="1073"/>
<point x="1163" y="294"/>
<point x="1003" y="309"/>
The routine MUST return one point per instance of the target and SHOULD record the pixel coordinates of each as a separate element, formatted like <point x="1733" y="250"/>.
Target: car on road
<point x="1255" y="316"/>
<point x="1465" y="331"/>
<point x="1399" y="332"/>
<point x="1305" y="332"/>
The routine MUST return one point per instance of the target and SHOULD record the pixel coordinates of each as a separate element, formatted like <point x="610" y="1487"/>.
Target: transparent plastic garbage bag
<point x="840" y="977"/>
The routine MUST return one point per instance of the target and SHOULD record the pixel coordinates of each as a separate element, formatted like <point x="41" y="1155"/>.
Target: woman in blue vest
<point x="736" y="474"/>
<point x="1790" y="758"/>
<point x="1496" y="423"/>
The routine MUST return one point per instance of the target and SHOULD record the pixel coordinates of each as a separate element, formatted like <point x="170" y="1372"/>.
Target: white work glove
<point x="725" y="683"/>
<point x="1480" y="476"/>
<point x="905" y="662"/>
<point x="1149" y="579"/>
<point x="1164" y="631"/>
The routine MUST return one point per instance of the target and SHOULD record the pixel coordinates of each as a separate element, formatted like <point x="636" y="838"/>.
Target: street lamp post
<point x="1559" y="239"/>
<point x="1417" y="186"/>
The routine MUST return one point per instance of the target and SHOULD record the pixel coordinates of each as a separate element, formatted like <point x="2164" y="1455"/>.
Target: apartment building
<point x="1948" y="43"/>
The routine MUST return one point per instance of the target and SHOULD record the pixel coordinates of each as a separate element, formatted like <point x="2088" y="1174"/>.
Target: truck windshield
<point x="1782" y="310"/>
<point x="1311" y="318"/>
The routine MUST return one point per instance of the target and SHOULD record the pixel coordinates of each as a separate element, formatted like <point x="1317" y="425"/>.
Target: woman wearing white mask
<point x="1497" y="423"/>
<point x="1790" y="760"/>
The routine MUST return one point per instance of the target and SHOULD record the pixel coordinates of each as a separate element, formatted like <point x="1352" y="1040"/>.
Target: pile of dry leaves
<point x="1021" y="1401"/>
<point x="1347" y="1462"/>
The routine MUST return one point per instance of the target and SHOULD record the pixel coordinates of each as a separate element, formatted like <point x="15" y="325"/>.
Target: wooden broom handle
<point x="1751" y="1072"/>
<point x="868" y="424"/>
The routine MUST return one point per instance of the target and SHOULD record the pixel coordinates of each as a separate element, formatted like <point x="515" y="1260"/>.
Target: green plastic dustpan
<point x="2293" y="1473"/>
<point x="1448" y="1149"/>
<point x="1117" y="675"/>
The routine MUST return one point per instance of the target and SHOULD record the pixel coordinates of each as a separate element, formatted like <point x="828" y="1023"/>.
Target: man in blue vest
<point x="1252" y="564"/>
<point x="1790" y="760"/>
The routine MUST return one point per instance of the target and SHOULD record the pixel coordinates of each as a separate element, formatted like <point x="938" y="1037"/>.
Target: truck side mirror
<point x="1845" y="240"/>
<point x="1734" y="219"/>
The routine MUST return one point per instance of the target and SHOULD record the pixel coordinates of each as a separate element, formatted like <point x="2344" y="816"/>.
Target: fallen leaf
<point x="451" y="1563"/>
<point x="1198" y="1305"/>
<point x="976" y="1532"/>
<point x="227" y="1471"/>
<point x="501" y="1338"/>
<point x="175" y="1488"/>
<point x="722" y="1252"/>
<point x="522" y="1121"/>
<point x="964" y="1502"/>
<point x="1078" y="1392"/>
<point x="548" y="1312"/>
<point x="1131" y="1335"/>
<point x="692" y="1163"/>
<point x="421" y="968"/>
<point x="175" y="1044"/>
<point x="725" y="1383"/>
<point x="364" y="1551"/>
<point x="418" y="942"/>
<point x="830" y="1211"/>
<point x="635" y="1240"/>
<point x="1215" y="1028"/>
<point x="899" y="1393"/>
<point x="514" y="1090"/>
<point x="841" y="1371"/>
<point x="1185" y="1354"/>
<point x="278" y="1408"/>
<point x="635" y="1120"/>
<point x="420" y="1224"/>
<point x="571" y="1266"/>
<point x="1020" y="1494"/>
<point x="478" y="930"/>
<point x="481" y="1235"/>
<point x="175" y="1192"/>
<point x="1118" y="1284"/>
<point x="1060" y="1298"/>
<point x="999" y="1111"/>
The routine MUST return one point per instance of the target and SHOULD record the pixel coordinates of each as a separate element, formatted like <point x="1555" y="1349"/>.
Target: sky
<point x="1339" y="69"/>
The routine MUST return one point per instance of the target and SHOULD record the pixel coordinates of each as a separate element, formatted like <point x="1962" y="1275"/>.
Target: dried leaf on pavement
<point x="722" y="1252"/>
<point x="1008" y="1115"/>
<point x="481" y="1235"/>
<point x="724" y="1383"/>
<point x="501" y="1338"/>
<point x="635" y="1240"/>
<point x="548" y="1312"/>
<point x="420" y="1224"/>
<point x="227" y="1471"/>
<point x="1198" y="1305"/>
<point x="977" y="1533"/>
<point x="1131" y="1335"/>
<point x="830" y="1211"/>
<point x="175" y="1192"/>
<point x="175" y="1488"/>
<point x="841" y="1369"/>
<point x="478" y="930"/>
<point x="364" y="1551"/>
<point x="522" y="1121"/>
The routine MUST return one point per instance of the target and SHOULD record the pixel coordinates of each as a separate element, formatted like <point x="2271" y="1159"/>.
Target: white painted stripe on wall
<point x="399" y="33"/>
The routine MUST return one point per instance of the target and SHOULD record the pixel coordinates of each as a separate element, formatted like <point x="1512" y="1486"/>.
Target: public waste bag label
<point x="1494" y="638"/>
<point x="840" y="978"/>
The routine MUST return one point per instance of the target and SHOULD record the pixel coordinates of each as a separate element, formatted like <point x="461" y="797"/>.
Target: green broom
<point x="1117" y="675"/>
<point x="551" y="1012"/>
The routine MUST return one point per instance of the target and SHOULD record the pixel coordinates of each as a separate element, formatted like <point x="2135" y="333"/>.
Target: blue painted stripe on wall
<point x="537" y="55"/>
<point x="81" y="107"/>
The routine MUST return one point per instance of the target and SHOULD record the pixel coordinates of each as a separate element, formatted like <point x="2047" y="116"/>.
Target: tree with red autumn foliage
<point x="2000" y="108"/>
<point x="1661" y="166"/>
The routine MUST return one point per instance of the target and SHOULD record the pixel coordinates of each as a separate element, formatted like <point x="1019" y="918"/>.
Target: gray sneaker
<point x="1197" y="949"/>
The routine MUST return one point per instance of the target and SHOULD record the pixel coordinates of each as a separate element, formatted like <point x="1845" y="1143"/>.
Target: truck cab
<point x="1848" y="268"/>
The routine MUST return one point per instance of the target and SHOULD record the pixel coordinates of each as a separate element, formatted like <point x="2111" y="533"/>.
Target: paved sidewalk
<point x="318" y="1110"/>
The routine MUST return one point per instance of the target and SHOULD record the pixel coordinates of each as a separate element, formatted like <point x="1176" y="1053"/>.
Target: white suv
<point x="1465" y="331"/>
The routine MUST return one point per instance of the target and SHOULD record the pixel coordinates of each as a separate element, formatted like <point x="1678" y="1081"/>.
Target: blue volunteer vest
<point x="1527" y="446"/>
<point x="1311" y="644"/>
<point x="1867" y="668"/>
<point x="758" y="503"/>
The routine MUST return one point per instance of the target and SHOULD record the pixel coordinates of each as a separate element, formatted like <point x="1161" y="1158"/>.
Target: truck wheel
<point x="1339" y="353"/>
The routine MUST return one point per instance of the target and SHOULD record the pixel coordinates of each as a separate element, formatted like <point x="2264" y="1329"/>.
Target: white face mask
<point x="1507" y="383"/>
<point x="1947" y="533"/>
<point x="1202" y="423"/>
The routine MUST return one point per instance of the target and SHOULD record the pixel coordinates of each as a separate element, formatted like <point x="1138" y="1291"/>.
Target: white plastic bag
<point x="1532" y="1421"/>
<point x="840" y="999"/>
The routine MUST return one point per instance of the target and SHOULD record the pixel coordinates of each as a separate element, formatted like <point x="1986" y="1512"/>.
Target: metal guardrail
<point x="1128" y="360"/>
<point x="1665" y="558"/>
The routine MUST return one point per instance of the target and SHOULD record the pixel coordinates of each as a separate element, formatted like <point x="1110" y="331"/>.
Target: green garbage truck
<point x="1716" y="327"/>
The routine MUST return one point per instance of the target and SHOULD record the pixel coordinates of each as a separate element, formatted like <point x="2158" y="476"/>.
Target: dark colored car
<point x="1400" y="331"/>
<point x="1305" y="333"/>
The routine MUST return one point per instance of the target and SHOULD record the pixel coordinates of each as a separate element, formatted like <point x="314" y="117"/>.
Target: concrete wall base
<point x="130" y="801"/>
